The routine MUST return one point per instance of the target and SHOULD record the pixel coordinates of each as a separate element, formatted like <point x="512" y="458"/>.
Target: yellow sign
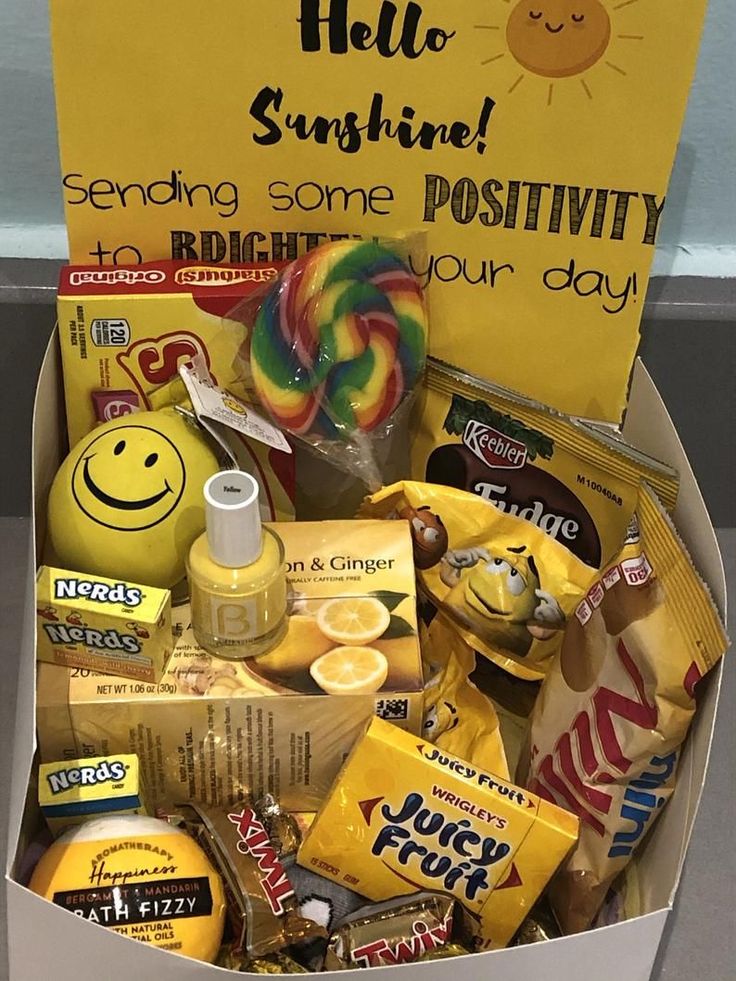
<point x="531" y="140"/>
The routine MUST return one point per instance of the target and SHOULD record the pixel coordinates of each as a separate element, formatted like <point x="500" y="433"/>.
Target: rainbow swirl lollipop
<point x="339" y="341"/>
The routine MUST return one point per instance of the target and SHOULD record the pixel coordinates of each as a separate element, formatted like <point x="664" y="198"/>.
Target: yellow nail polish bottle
<point x="237" y="573"/>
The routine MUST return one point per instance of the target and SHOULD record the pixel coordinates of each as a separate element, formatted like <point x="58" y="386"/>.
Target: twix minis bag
<point x="404" y="816"/>
<point x="504" y="584"/>
<point x="611" y="717"/>
<point x="577" y="483"/>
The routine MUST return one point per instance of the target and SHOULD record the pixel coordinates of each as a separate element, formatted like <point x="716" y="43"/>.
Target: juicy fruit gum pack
<point x="612" y="714"/>
<point x="577" y="483"/>
<point x="503" y="583"/>
<point x="213" y="730"/>
<point x="124" y="331"/>
<point x="404" y="816"/>
<point x="102" y="624"/>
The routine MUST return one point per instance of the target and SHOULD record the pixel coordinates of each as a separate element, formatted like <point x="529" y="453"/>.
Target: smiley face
<point x="558" y="38"/>
<point x="504" y="588"/>
<point x="127" y="502"/>
<point x="129" y="479"/>
<point x="235" y="405"/>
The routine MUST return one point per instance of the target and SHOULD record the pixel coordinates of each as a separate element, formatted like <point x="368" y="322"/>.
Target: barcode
<point x="392" y="709"/>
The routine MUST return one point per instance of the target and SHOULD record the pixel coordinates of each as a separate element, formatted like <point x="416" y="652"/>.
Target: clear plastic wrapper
<point x="335" y="356"/>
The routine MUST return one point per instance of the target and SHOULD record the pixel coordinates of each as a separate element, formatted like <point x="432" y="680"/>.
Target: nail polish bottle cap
<point x="234" y="533"/>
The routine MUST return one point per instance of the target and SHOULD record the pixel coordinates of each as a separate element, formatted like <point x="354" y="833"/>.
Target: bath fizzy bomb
<point x="164" y="890"/>
<point x="127" y="501"/>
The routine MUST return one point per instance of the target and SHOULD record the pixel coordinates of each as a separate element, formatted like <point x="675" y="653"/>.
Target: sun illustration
<point x="559" y="39"/>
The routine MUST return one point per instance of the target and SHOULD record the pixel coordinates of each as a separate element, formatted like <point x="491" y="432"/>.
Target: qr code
<point x="392" y="709"/>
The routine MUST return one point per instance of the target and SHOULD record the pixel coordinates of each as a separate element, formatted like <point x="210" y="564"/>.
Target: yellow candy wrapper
<point x="505" y="585"/>
<point x="404" y="816"/>
<point x="458" y="717"/>
<point x="612" y="715"/>
<point x="579" y="484"/>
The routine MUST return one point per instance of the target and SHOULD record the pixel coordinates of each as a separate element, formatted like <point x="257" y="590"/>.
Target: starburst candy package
<point x="577" y="483"/>
<point x="335" y="355"/>
<point x="609" y="724"/>
<point x="404" y="816"/>
<point x="125" y="331"/>
<point x="504" y="584"/>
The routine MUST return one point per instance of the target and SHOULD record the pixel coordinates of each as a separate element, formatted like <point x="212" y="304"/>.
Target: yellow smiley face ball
<point x="127" y="502"/>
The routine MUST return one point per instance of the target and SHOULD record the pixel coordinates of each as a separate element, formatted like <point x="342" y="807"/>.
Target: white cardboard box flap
<point x="45" y="941"/>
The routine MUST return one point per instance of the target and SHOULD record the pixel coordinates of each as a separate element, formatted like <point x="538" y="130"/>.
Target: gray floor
<point x="689" y="345"/>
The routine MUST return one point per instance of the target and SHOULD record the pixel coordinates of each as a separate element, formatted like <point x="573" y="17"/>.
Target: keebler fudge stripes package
<point x="579" y="484"/>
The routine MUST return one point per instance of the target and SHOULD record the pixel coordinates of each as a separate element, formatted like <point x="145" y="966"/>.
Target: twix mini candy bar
<point x="396" y="932"/>
<point x="261" y="906"/>
<point x="576" y="482"/>
<point x="403" y="816"/>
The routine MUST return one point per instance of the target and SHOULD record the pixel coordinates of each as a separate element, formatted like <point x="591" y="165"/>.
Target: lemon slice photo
<point x="350" y="670"/>
<point x="353" y="619"/>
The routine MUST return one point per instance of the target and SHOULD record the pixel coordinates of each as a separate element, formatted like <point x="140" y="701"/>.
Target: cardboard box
<point x="103" y="624"/>
<point x="73" y="950"/>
